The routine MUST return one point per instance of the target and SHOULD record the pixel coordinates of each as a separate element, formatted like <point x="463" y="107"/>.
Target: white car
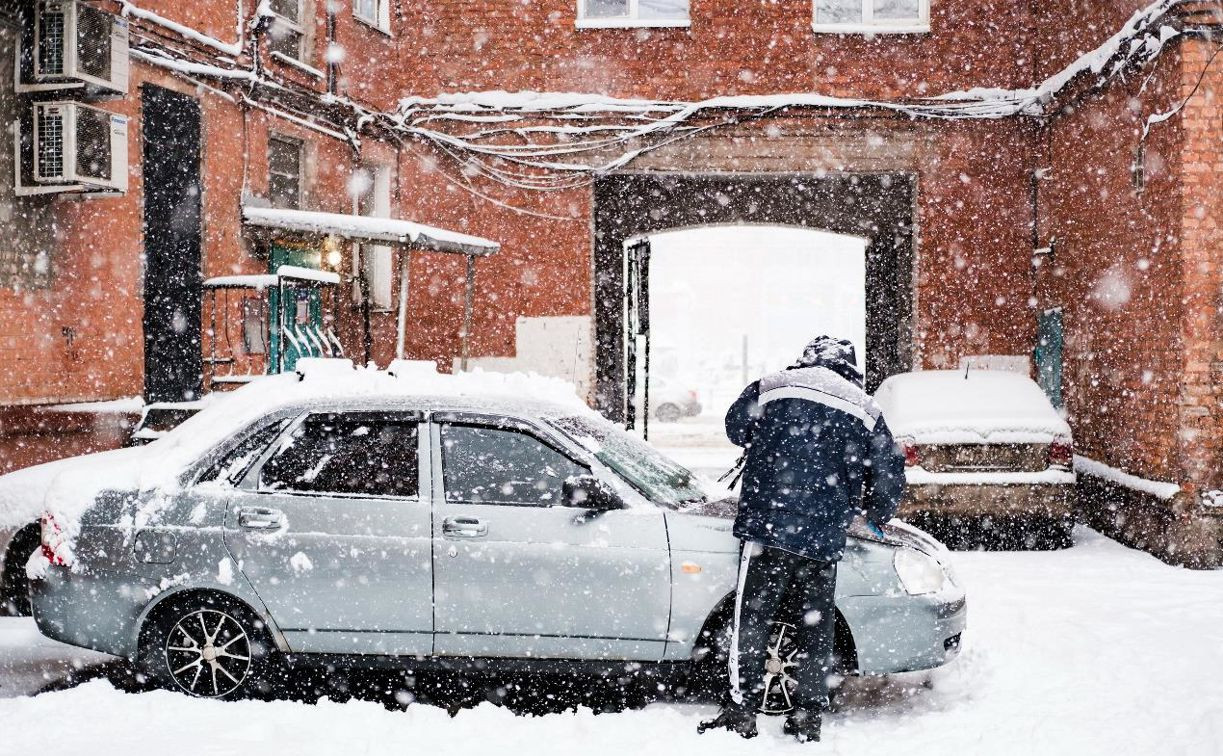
<point x="981" y="443"/>
<point x="670" y="402"/>
<point x="360" y="516"/>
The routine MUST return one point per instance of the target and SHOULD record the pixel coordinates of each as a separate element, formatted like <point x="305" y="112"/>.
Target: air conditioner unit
<point x="70" y="44"/>
<point x="70" y="147"/>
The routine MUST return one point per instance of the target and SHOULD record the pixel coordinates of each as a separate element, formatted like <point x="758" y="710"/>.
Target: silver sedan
<point x="449" y="531"/>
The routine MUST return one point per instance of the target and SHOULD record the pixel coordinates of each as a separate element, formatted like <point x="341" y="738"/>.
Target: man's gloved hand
<point x="875" y="528"/>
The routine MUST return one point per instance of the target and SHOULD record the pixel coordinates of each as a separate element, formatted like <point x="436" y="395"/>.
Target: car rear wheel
<point x="15" y="587"/>
<point x="207" y="647"/>
<point x="668" y="413"/>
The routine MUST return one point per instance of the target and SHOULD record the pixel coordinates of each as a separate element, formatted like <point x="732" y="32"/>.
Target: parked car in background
<point x="672" y="402"/>
<point x="159" y="418"/>
<point x="981" y="446"/>
<point x="374" y="517"/>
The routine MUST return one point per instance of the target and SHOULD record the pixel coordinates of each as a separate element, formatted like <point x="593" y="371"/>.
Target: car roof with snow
<point x="969" y="406"/>
<point x="67" y="487"/>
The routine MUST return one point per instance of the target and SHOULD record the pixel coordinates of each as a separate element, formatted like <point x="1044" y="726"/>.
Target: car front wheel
<point x="207" y="648"/>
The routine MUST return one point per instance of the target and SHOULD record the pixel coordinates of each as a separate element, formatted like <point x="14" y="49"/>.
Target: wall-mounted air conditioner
<point x="70" y="44"/>
<point x="70" y="147"/>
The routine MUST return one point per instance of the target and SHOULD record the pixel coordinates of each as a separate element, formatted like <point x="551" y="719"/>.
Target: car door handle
<point x="259" y="518"/>
<point x="463" y="527"/>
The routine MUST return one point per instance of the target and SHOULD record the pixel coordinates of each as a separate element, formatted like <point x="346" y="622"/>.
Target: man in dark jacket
<point x="818" y="452"/>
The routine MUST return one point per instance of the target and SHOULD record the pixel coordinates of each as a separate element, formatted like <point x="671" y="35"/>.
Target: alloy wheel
<point x="208" y="653"/>
<point x="779" y="665"/>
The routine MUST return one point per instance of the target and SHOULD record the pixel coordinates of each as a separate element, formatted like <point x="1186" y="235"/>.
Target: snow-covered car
<point x="366" y="517"/>
<point x="673" y="402"/>
<point x="981" y="442"/>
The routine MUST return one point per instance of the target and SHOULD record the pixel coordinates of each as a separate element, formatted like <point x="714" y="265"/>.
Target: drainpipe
<point x="401" y="325"/>
<point x="331" y="65"/>
<point x="468" y="306"/>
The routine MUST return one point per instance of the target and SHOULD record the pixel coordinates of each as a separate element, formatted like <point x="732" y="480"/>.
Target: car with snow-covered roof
<point x="430" y="521"/>
<point x="981" y="443"/>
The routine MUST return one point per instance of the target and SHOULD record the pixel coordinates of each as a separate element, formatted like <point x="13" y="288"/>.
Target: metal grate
<point x="51" y="40"/>
<point x="93" y="28"/>
<point x="50" y="143"/>
<point x="92" y="144"/>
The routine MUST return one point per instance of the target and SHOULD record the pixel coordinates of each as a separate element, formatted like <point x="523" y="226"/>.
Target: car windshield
<point x="659" y="479"/>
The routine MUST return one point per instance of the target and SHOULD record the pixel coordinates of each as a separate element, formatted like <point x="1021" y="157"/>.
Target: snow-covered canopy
<point x="964" y="407"/>
<point x="363" y="228"/>
<point x="291" y="273"/>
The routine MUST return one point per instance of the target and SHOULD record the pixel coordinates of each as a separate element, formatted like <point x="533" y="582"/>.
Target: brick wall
<point x="1201" y="410"/>
<point x="1116" y="271"/>
<point x="762" y="46"/>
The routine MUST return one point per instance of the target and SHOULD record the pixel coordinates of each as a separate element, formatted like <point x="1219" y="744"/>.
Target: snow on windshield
<point x="659" y="479"/>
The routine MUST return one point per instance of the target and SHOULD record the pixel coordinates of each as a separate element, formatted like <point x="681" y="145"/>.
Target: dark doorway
<point x="878" y="207"/>
<point x="172" y="232"/>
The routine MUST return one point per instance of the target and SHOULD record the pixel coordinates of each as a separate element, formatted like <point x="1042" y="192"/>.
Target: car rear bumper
<point x="1052" y="500"/>
<point x="75" y="609"/>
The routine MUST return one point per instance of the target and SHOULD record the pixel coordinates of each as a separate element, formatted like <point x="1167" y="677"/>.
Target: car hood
<point x="896" y="534"/>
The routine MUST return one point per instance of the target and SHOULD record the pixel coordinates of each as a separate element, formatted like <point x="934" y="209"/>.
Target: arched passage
<point x="877" y="207"/>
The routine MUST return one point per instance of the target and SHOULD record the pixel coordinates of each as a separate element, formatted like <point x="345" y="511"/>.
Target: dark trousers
<point x="776" y="585"/>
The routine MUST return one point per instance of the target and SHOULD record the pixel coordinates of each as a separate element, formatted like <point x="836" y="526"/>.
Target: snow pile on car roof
<point x="964" y="407"/>
<point x="66" y="488"/>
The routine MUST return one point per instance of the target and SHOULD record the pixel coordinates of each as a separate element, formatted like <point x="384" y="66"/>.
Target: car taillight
<point x="912" y="452"/>
<point x="1061" y="453"/>
<point x="54" y="542"/>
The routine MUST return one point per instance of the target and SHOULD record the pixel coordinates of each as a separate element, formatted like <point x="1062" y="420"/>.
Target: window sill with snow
<point x="870" y="30"/>
<point x="633" y="23"/>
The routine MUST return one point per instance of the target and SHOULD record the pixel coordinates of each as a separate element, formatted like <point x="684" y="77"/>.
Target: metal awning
<point x="363" y="228"/>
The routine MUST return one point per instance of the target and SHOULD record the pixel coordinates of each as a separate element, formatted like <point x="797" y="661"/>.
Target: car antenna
<point x="967" y="365"/>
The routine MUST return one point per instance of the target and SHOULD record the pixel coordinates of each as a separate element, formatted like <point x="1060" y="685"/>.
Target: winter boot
<point x="803" y="725"/>
<point x="737" y="718"/>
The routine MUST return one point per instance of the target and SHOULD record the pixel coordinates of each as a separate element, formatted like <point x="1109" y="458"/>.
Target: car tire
<point x="207" y="646"/>
<point x="668" y="413"/>
<point x="710" y="674"/>
<point x="15" y="587"/>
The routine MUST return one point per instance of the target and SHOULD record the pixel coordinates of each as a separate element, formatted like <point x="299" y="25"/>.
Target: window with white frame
<point x="286" y="33"/>
<point x="376" y="13"/>
<point x="596" y="14"/>
<point x="872" y="16"/>
<point x="284" y="172"/>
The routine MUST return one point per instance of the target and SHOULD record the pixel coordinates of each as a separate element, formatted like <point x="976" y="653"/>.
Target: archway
<point x="877" y="207"/>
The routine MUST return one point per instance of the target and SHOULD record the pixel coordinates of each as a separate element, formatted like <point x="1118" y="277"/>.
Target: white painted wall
<point x="558" y="347"/>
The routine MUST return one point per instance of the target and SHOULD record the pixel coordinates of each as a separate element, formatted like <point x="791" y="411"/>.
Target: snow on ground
<point x="29" y="661"/>
<point x="1099" y="649"/>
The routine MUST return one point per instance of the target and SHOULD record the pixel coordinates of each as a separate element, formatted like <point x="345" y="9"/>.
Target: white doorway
<point x="731" y="303"/>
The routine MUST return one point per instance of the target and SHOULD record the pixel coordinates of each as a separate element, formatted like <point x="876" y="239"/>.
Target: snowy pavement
<point x="1095" y="650"/>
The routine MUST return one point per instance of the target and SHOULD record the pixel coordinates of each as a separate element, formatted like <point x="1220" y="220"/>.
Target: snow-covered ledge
<point x="632" y="23"/>
<point x="1159" y="489"/>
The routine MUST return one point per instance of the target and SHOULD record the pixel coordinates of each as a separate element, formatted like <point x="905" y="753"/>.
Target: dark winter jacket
<point x="818" y="452"/>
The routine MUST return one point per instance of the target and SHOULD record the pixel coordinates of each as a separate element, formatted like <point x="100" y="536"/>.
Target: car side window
<point x="482" y="465"/>
<point x="233" y="464"/>
<point x="355" y="454"/>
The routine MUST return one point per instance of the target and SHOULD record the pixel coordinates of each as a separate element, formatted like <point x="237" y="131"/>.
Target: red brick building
<point x="1022" y="170"/>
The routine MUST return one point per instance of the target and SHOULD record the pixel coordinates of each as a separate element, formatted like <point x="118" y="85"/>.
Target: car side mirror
<point x="590" y="493"/>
